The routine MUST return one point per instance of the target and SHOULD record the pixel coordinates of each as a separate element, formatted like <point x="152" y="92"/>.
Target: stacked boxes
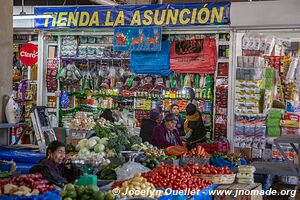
<point x="252" y="103"/>
<point x="273" y="122"/>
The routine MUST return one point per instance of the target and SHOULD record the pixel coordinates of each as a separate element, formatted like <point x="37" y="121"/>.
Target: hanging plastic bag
<point x="194" y="56"/>
<point x="12" y="111"/>
<point x="155" y="63"/>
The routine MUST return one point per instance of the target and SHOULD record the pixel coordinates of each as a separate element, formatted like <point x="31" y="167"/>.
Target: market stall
<point x="99" y="58"/>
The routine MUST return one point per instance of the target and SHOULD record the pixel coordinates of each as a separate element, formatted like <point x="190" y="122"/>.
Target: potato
<point x="143" y="186"/>
<point x="125" y="184"/>
<point x="137" y="179"/>
<point x="137" y="187"/>
<point x="35" y="192"/>
<point x="18" y="193"/>
<point x="10" y="188"/>
<point x="24" y="189"/>
<point x="135" y="183"/>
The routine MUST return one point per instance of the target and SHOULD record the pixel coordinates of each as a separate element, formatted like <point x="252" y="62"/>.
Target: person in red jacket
<point x="166" y="134"/>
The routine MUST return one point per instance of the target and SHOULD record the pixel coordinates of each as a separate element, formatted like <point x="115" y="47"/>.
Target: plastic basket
<point x="218" y="178"/>
<point x="216" y="147"/>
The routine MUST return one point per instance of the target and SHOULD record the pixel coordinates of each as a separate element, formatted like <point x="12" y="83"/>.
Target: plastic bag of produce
<point x="47" y="196"/>
<point x="129" y="169"/>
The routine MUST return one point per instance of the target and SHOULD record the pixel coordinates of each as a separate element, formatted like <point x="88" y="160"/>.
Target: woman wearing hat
<point x="166" y="134"/>
<point x="148" y="125"/>
<point x="194" y="126"/>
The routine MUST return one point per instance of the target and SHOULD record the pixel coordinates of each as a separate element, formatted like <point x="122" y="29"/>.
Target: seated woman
<point x="166" y="134"/>
<point x="55" y="168"/>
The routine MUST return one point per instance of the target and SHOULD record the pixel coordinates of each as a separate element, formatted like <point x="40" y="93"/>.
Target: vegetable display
<point x="153" y="162"/>
<point x="176" y="151"/>
<point x="81" y="121"/>
<point x="176" y="178"/>
<point x="138" y="183"/>
<point x="118" y="137"/>
<point x="107" y="172"/>
<point x="197" y="152"/>
<point x="227" y="156"/>
<point x="195" y="168"/>
<point x="74" y="192"/>
<point x="25" y="185"/>
<point x="92" y="149"/>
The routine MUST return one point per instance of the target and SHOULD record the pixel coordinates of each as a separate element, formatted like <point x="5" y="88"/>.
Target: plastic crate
<point x="216" y="147"/>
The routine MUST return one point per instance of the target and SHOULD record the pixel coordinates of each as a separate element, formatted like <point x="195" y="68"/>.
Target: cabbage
<point x="103" y="141"/>
<point x="78" y="147"/>
<point x="91" y="143"/>
<point x="96" y="138"/>
<point x="82" y="143"/>
<point x="99" y="148"/>
<point x="83" y="153"/>
<point x="99" y="156"/>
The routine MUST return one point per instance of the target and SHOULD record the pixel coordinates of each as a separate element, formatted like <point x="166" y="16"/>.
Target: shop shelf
<point x="86" y="58"/>
<point x="51" y="94"/>
<point x="96" y="45"/>
<point x="223" y="60"/>
<point x="223" y="43"/>
<point x="274" y="168"/>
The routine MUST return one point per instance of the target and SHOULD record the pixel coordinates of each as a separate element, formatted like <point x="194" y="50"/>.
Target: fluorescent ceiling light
<point x="32" y="16"/>
<point x="105" y="2"/>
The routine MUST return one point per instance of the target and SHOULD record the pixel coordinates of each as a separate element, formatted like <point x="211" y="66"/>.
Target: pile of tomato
<point x="175" y="178"/>
<point x="195" y="168"/>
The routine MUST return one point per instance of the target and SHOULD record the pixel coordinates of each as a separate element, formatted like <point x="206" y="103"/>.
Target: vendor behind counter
<point x="55" y="168"/>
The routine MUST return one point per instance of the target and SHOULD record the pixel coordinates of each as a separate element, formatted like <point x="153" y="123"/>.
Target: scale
<point x="43" y="130"/>
<point x="89" y="168"/>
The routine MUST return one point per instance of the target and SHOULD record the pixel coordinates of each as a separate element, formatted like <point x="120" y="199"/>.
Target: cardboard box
<point x="255" y="189"/>
<point x="243" y="152"/>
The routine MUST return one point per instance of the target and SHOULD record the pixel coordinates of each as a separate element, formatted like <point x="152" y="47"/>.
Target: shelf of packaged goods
<point x="52" y="110"/>
<point x="87" y="58"/>
<point x="96" y="45"/>
<point x="223" y="42"/>
<point x="223" y="60"/>
<point x="52" y="44"/>
<point x="51" y="94"/>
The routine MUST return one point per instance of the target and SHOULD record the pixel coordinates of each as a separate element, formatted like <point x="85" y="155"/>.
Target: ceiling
<point x="87" y="2"/>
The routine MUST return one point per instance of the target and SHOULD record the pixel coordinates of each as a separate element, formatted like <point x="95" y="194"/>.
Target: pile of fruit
<point x="197" y="152"/>
<point x="138" y="186"/>
<point x="195" y="168"/>
<point x="176" y="178"/>
<point x="25" y="185"/>
<point x="74" y="192"/>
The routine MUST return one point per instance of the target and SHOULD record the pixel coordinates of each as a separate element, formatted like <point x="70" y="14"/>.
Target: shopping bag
<point x="156" y="63"/>
<point x="194" y="56"/>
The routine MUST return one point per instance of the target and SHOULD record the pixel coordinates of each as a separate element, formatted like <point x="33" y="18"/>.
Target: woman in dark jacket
<point x="148" y="125"/>
<point x="193" y="126"/>
<point x="166" y="134"/>
<point x="55" y="168"/>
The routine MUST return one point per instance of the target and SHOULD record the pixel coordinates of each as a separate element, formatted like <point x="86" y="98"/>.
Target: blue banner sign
<point x="137" y="39"/>
<point x="134" y="15"/>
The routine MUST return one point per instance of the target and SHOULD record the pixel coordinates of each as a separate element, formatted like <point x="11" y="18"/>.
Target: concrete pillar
<point x="6" y="54"/>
